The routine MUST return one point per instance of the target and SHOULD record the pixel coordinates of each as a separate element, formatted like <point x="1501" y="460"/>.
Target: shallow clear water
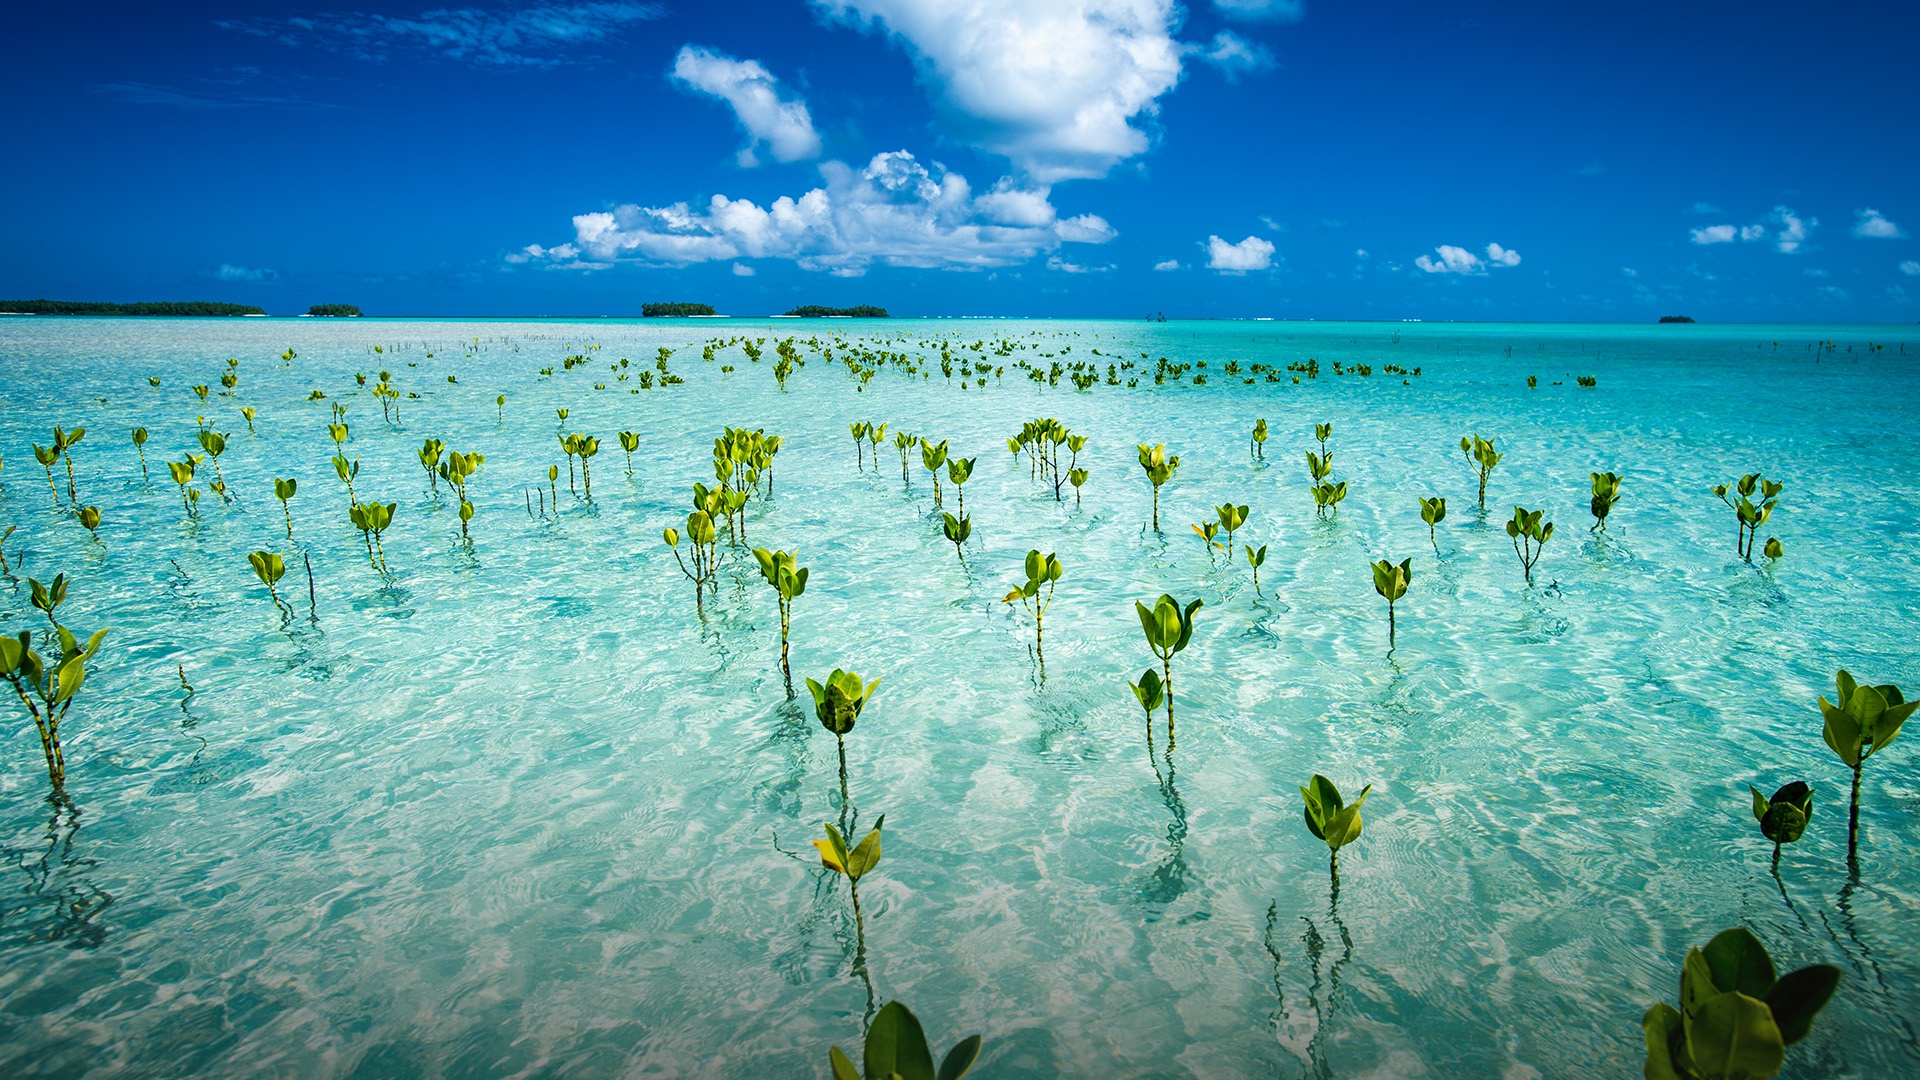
<point x="519" y="811"/>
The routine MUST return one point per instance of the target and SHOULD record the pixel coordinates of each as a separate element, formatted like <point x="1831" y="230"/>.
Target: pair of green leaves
<point x="838" y="703"/>
<point x="957" y="529"/>
<point x="373" y="517"/>
<point x="1784" y="817"/>
<point x="1390" y="581"/>
<point x="1149" y="691"/>
<point x="1159" y="466"/>
<point x="1328" y="817"/>
<point x="284" y="489"/>
<point x="787" y="577"/>
<point x="629" y="441"/>
<point x="959" y="470"/>
<point x="1168" y="627"/>
<point x="1735" y="1018"/>
<point x="1865" y="720"/>
<point x="853" y="864"/>
<point x="933" y="455"/>
<point x="1433" y="511"/>
<point x="896" y="1049"/>
<point x="268" y="566"/>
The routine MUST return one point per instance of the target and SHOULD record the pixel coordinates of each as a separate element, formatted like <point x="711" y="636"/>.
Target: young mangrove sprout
<point x="586" y="448"/>
<point x="1256" y="558"/>
<point x="701" y="538"/>
<point x="1078" y="478"/>
<point x="140" y="447"/>
<point x="429" y="455"/>
<point x="182" y="472"/>
<point x="570" y="445"/>
<point x="1390" y="582"/>
<point x="789" y="580"/>
<point x="859" y="432"/>
<point x="897" y="1047"/>
<point x="90" y="518"/>
<point x="1150" y="693"/>
<point x="64" y="442"/>
<point x="1784" y="817"/>
<point x="1773" y="549"/>
<point x="372" y="519"/>
<point x="837" y="704"/>
<point x="960" y="470"/>
<point x="500" y="409"/>
<point x="46" y="456"/>
<point x="1159" y="469"/>
<point x="1257" y="449"/>
<point x="1481" y="458"/>
<point x="1863" y="721"/>
<point x="957" y="529"/>
<point x="346" y="471"/>
<point x="1606" y="495"/>
<point x="1169" y="629"/>
<point x="1751" y="515"/>
<point x="933" y="456"/>
<point x="853" y="865"/>
<point x="1231" y="518"/>
<point x="1326" y="495"/>
<point x="283" y="490"/>
<point x="1735" y="1019"/>
<point x="1331" y="820"/>
<point x="629" y="442"/>
<point x="269" y="568"/>
<point x="904" y="443"/>
<point x="1433" y="511"/>
<point x="47" y="598"/>
<point x="1530" y="533"/>
<point x="215" y="444"/>
<point x="456" y="471"/>
<point x="1207" y="531"/>
<point x="1042" y="571"/>
<point x="47" y="690"/>
<point x="246" y="413"/>
<point x="876" y="436"/>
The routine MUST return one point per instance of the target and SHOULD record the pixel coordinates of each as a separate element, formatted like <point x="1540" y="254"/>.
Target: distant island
<point x="344" y="311"/>
<point x="102" y="307"/>
<point x="676" y="310"/>
<point x="815" y="311"/>
<point x="1676" y="318"/>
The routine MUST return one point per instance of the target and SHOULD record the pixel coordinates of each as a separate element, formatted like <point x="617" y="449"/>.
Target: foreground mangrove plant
<point x="1331" y="820"/>
<point x="789" y="580"/>
<point x="1530" y="532"/>
<point x="1481" y="458"/>
<point x="1735" y="1019"/>
<point x="1159" y="468"/>
<point x="1042" y="571"/>
<point x="1169" y="630"/>
<point x="47" y="690"/>
<point x="1784" y="817"/>
<point x="1750" y="515"/>
<point x="896" y="1049"/>
<point x="1860" y="725"/>
<point x="1390" y="582"/>
<point x="1606" y="495"/>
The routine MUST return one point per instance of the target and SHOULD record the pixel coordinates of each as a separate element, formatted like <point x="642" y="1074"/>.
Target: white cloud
<point x="1453" y="260"/>
<point x="1911" y="268"/>
<point x="1279" y="10"/>
<point x="1869" y="224"/>
<point x="1055" y="262"/>
<point x="894" y="211"/>
<point x="1628" y="271"/>
<point x="1500" y="256"/>
<point x="742" y="270"/>
<point x="1252" y="253"/>
<point x="1360" y="253"/>
<point x="783" y="125"/>
<point x="1715" y="234"/>
<point x="1174" y="264"/>
<point x="1793" y="229"/>
<point x="1752" y="232"/>
<point x="1053" y="85"/>
<point x="1272" y="225"/>
<point x="1236" y="56"/>
<point x="231" y="272"/>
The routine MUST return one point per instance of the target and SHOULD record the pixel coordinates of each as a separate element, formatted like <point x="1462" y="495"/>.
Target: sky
<point x="1366" y="159"/>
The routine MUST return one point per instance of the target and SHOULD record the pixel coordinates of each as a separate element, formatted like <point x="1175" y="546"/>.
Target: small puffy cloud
<point x="782" y="124"/>
<point x="232" y="272"/>
<point x="1359" y="253"/>
<point x="742" y="270"/>
<point x="1174" y="264"/>
<point x="1793" y="229"/>
<point x="1500" y="256"/>
<point x="1715" y="234"/>
<point x="1752" y="232"/>
<point x="1055" y="262"/>
<point x="1453" y="260"/>
<point x="1911" y="268"/>
<point x="1235" y="56"/>
<point x="1253" y="253"/>
<point x="1628" y="271"/>
<point x="1870" y="225"/>
<point x="1277" y="10"/>
<point x="894" y="211"/>
<point x="1054" y="87"/>
<point x="1272" y="225"/>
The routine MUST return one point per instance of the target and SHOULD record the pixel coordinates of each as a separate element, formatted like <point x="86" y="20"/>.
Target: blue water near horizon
<point x="517" y="810"/>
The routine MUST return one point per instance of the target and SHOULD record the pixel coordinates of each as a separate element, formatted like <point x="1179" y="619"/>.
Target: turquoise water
<point x="516" y="810"/>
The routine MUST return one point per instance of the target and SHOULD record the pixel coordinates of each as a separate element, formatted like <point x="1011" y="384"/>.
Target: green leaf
<point x="1759" y="804"/>
<point x="1660" y="1023"/>
<point x="71" y="675"/>
<point x="896" y="1046"/>
<point x="1734" y="1037"/>
<point x="1799" y="996"/>
<point x="1740" y="963"/>
<point x="842" y="1068"/>
<point x="10" y="652"/>
<point x="960" y="1059"/>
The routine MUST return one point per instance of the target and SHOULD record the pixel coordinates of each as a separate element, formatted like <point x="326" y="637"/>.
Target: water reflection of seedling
<point x="1751" y="515"/>
<point x="140" y="447"/>
<point x="1390" y="582"/>
<point x="269" y="567"/>
<point x="1331" y="820"/>
<point x="629" y="442"/>
<point x="896" y="1048"/>
<point x="1169" y="629"/>
<point x="1859" y="725"/>
<point x="182" y="473"/>
<point x="1433" y="511"/>
<point x="789" y="580"/>
<point x="957" y="530"/>
<point x="933" y="456"/>
<point x="960" y="470"/>
<point x="1784" y="817"/>
<point x="1159" y="468"/>
<point x="1606" y="494"/>
<point x="372" y="519"/>
<point x="1735" y="1019"/>
<point x="1042" y="572"/>
<point x="1258" y="447"/>
<point x="429" y="455"/>
<point x="90" y="518"/>
<point x="1481" y="458"/>
<point x="47" y="690"/>
<point x="1530" y="533"/>
<point x="283" y="490"/>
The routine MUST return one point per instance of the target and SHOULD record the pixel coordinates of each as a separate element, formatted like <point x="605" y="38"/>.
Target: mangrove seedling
<point x="283" y="490"/>
<point x="46" y="456"/>
<point x="140" y="447"/>
<point x="1331" y="820"/>
<point x="1481" y="458"/>
<point x="500" y="409"/>
<point x="1863" y="721"/>
<point x="1078" y="478"/>
<point x="1327" y="497"/>
<point x="90" y="517"/>
<point x="1606" y="494"/>
<point x="933" y="456"/>
<point x="215" y="444"/>
<point x="64" y="441"/>
<point x="859" y="432"/>
<point x="876" y="436"/>
<point x="904" y="443"/>
<point x="182" y="472"/>
<point x="853" y="865"/>
<point x="48" y="598"/>
<point x="562" y="414"/>
<point x="1159" y="468"/>
<point x="959" y="470"/>
<point x="1042" y="572"/>
<point x="429" y="455"/>
<point x="457" y="470"/>
<point x="1169" y="629"/>
<point x="1150" y="693"/>
<point x="701" y="538"/>
<point x="246" y="413"/>
<point x="570" y="445"/>
<point x="1433" y="511"/>
<point x="629" y="442"/>
<point x="1231" y="518"/>
<point x="789" y="580"/>
<point x="1735" y="1020"/>
<point x="1207" y="532"/>
<point x="269" y="568"/>
<point x="346" y="471"/>
<point x="1390" y="582"/>
<point x="1784" y="817"/>
<point x="957" y="530"/>
<point x="47" y="690"/>
<point x="1751" y="515"/>
<point x="338" y="432"/>
<point x="586" y="448"/>
<point x="837" y="704"/>
<point x="897" y="1047"/>
<point x="1258" y="448"/>
<point x="1530" y="533"/>
<point x="1256" y="559"/>
<point x="372" y="519"/>
<point x="1772" y="549"/>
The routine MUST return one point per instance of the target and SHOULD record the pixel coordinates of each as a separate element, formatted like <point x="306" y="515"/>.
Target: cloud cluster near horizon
<point x="1458" y="260"/>
<point x="780" y="123"/>
<point x="895" y="211"/>
<point x="1794" y="231"/>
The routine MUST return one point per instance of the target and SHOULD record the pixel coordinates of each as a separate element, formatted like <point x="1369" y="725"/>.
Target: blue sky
<point x="1290" y="158"/>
